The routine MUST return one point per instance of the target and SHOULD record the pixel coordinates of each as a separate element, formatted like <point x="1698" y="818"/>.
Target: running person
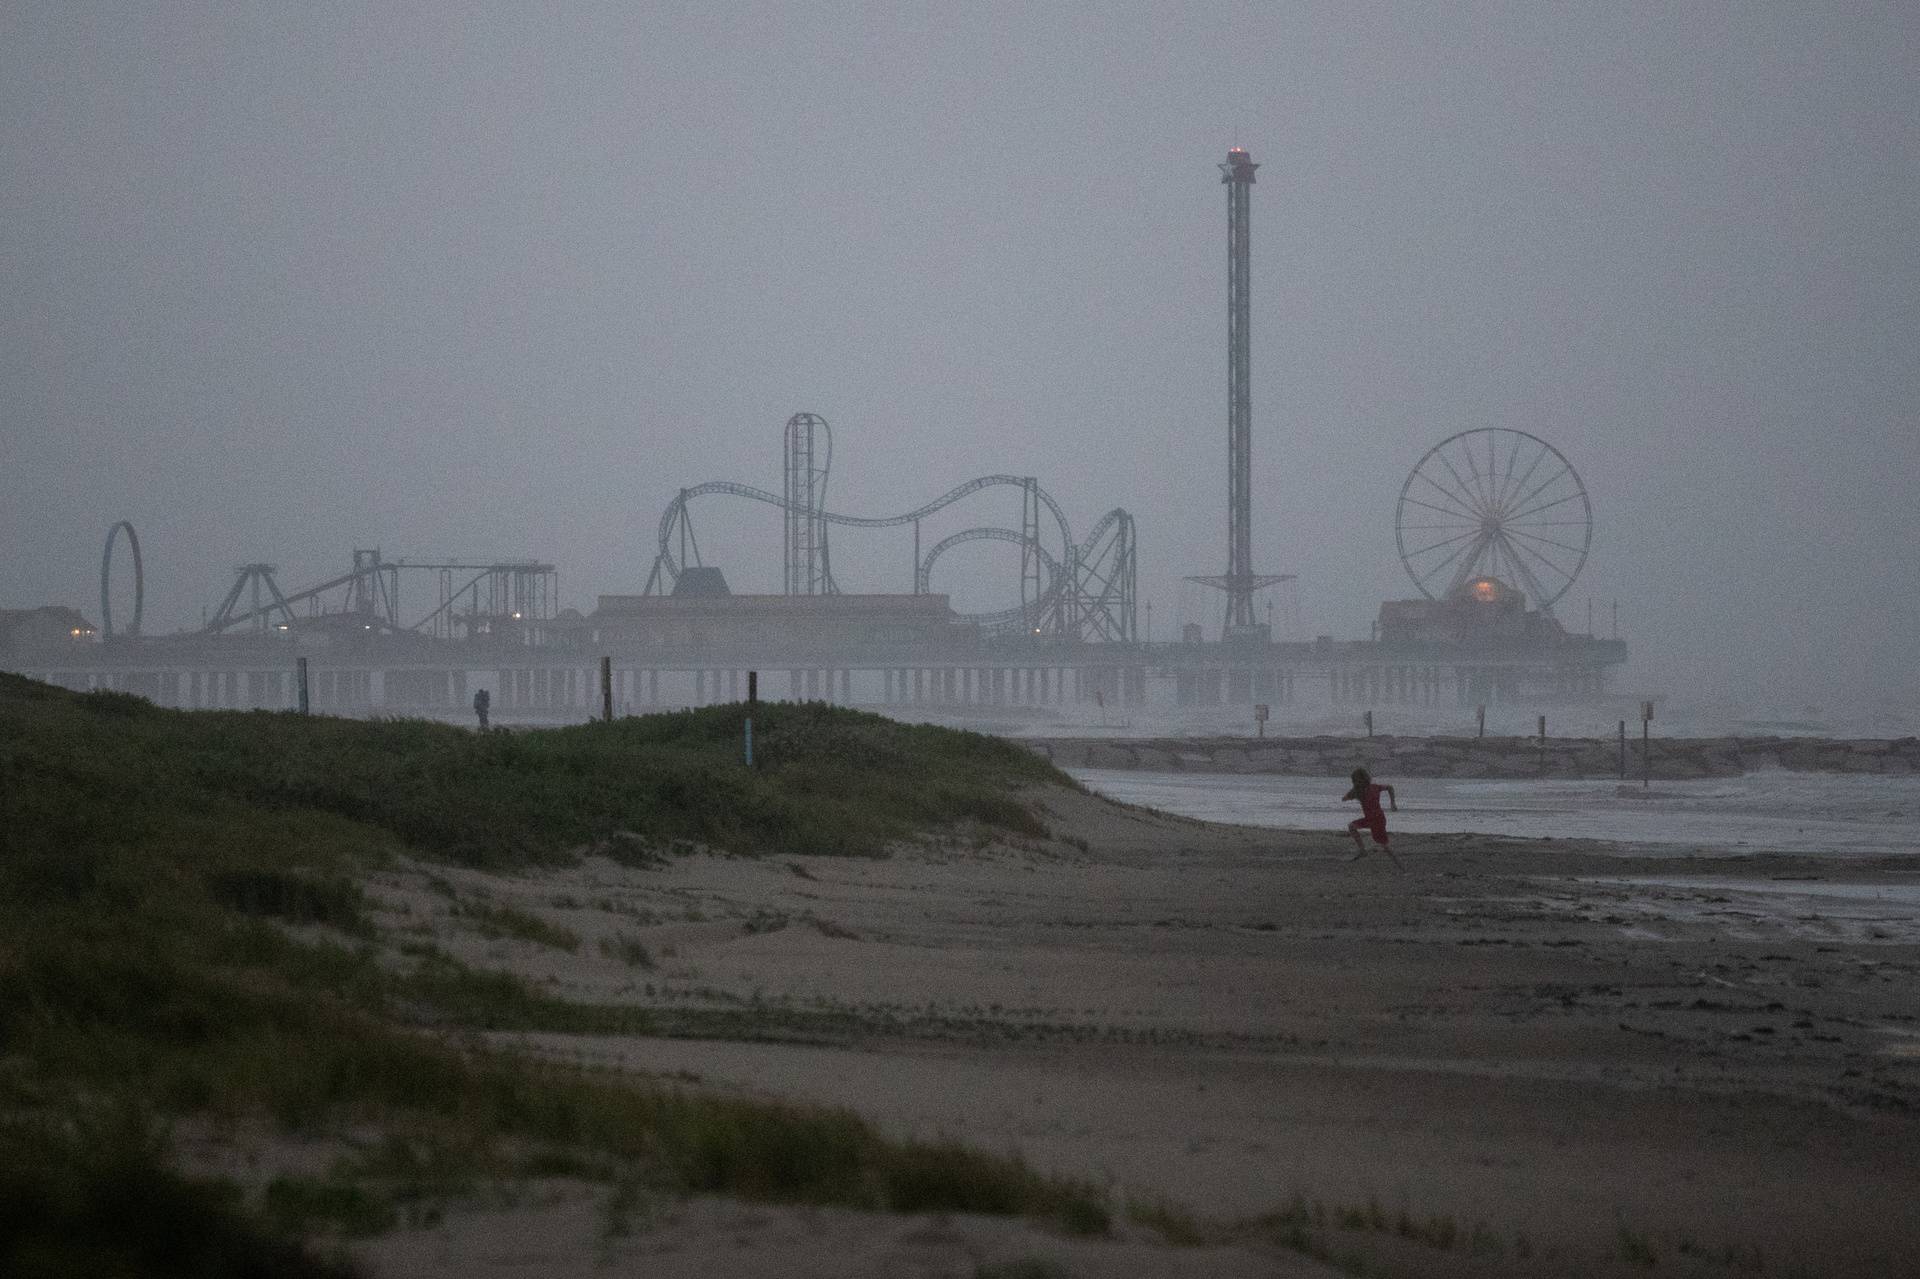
<point x="1372" y="817"/>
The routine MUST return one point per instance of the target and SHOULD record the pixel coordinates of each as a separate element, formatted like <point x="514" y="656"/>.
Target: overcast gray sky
<point x="278" y="280"/>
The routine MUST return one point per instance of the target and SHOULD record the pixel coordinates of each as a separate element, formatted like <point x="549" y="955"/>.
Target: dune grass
<point x="110" y="1206"/>
<point x="182" y="933"/>
<point x="826" y="781"/>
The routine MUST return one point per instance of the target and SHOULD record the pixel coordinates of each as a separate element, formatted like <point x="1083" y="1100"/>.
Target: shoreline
<point x="1831" y="815"/>
<point x="1492" y="758"/>
<point x="1531" y="1040"/>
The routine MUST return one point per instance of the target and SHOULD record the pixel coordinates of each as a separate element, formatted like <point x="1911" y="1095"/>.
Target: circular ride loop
<point x="1494" y="502"/>
<point x="106" y="576"/>
<point x="1036" y="617"/>
<point x="1100" y="572"/>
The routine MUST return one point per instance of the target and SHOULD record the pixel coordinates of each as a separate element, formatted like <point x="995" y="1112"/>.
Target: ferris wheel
<point x="1494" y="503"/>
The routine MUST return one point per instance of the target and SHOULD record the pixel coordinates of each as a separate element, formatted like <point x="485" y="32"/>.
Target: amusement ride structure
<point x="106" y="581"/>
<point x="1240" y="582"/>
<point x="1494" y="503"/>
<point x="1079" y="590"/>
<point x="1492" y="525"/>
<point x="473" y="599"/>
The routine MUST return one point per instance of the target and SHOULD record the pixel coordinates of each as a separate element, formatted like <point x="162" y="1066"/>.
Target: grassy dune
<point x="182" y="935"/>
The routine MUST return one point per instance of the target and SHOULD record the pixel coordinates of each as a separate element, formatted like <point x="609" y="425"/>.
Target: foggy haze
<point x="277" y="281"/>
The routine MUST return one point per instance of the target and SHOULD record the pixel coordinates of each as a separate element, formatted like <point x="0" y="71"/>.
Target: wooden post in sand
<point x="1481" y="731"/>
<point x="1646" y="745"/>
<point x="606" y="689"/>
<point x="1543" y="743"/>
<point x="753" y="700"/>
<point x="1623" y="750"/>
<point x="300" y="664"/>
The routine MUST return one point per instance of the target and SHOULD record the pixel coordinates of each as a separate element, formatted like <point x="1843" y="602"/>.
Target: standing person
<point x="481" y="701"/>
<point x="1372" y="818"/>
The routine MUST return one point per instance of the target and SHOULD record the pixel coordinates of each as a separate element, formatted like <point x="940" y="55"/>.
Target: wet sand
<point x="1579" y="1058"/>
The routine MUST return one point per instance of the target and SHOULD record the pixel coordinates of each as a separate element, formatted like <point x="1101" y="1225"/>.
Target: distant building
<point x="24" y="630"/>
<point x="720" y="623"/>
<point x="698" y="581"/>
<point x="1482" y="612"/>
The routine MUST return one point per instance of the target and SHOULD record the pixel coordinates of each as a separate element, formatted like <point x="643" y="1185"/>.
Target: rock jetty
<point x="1494" y="757"/>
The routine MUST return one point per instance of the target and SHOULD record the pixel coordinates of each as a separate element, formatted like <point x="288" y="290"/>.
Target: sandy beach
<point x="1516" y="1057"/>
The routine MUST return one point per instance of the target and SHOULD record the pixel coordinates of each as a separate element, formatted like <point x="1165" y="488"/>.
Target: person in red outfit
<point x="1372" y="818"/>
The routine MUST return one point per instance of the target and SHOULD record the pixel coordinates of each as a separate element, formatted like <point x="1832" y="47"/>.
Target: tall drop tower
<point x="1240" y="581"/>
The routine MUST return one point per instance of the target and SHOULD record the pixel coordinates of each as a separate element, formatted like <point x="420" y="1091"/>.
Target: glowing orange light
<point x="1484" y="590"/>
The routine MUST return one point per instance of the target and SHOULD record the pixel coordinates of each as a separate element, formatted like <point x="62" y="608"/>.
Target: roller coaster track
<point x="676" y="510"/>
<point x="1088" y="587"/>
<point x="1104" y="580"/>
<point x="1009" y="619"/>
<point x="1102" y="568"/>
<point x="924" y="577"/>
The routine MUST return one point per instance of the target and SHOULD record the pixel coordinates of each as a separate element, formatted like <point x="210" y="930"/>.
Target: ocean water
<point x="1842" y="815"/>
